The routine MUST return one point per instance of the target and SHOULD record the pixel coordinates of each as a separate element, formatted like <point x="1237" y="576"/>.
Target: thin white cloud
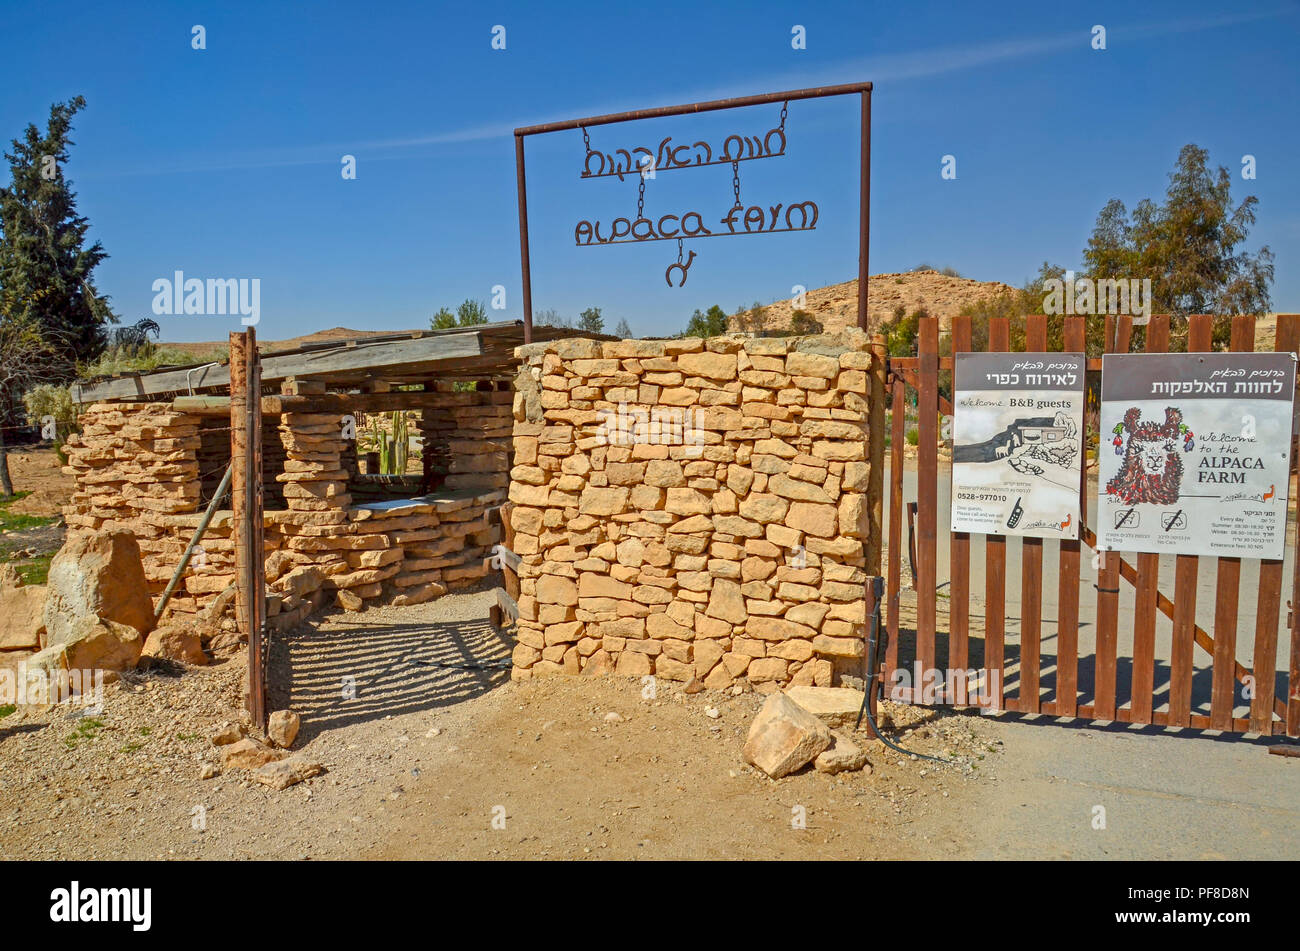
<point x="885" y="68"/>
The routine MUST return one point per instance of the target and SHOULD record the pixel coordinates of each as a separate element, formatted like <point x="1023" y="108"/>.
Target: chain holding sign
<point x="644" y="162"/>
<point x="755" y="219"/>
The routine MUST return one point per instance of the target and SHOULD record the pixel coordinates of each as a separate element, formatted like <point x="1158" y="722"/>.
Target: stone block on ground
<point x="282" y="728"/>
<point x="784" y="737"/>
<point x="843" y="756"/>
<point x="836" y="706"/>
<point x="281" y="774"/>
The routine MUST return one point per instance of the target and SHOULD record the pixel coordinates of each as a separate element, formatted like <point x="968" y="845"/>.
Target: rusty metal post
<point x="257" y="643"/>
<point x="876" y="455"/>
<point x="864" y="210"/>
<point x="522" y="187"/>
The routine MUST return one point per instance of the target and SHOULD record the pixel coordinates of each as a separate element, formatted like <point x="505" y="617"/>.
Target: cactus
<point x="394" y="450"/>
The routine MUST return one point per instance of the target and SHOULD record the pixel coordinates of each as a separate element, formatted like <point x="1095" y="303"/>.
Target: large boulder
<point x="100" y="576"/>
<point x="22" y="612"/>
<point x="784" y="737"/>
<point x="90" y="643"/>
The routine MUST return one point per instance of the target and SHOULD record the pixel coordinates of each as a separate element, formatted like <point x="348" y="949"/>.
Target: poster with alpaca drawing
<point x="1195" y="453"/>
<point x="1017" y="429"/>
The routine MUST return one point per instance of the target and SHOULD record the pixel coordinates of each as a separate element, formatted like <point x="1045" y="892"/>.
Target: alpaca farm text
<point x="1195" y="453"/>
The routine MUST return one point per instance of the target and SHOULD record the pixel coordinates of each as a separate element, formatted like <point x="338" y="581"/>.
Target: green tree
<point x="29" y="356"/>
<point x="468" y="314"/>
<point x="710" y="323"/>
<point x="590" y="321"/>
<point x="802" y="322"/>
<point x="46" y="267"/>
<point x="1190" y="245"/>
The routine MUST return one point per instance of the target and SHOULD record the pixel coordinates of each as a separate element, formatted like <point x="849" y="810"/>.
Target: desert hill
<point x="836" y="307"/>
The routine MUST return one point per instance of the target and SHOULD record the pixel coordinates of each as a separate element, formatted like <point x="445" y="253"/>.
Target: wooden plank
<point x="1186" y="571"/>
<point x="1067" y="612"/>
<point x="1031" y="570"/>
<point x="1269" y="603"/>
<point x="995" y="568"/>
<point x="876" y="456"/>
<point x="1227" y="588"/>
<point x="927" y="490"/>
<point x="1108" y="574"/>
<point x="408" y="356"/>
<point x="1142" y="685"/>
<point x="893" y="580"/>
<point x="959" y="551"/>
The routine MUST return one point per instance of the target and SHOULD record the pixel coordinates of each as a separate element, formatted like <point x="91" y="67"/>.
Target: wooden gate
<point x="1087" y="685"/>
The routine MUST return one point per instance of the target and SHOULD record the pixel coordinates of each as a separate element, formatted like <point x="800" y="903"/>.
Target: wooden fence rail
<point x="1268" y="713"/>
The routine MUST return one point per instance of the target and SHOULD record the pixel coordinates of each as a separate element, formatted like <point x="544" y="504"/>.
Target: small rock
<point x="227" y="733"/>
<point x="282" y="728"/>
<point x="712" y="712"/>
<point x="843" y="756"/>
<point x="696" y="685"/>
<point x="247" y="754"/>
<point x="284" y="773"/>
<point x="209" y="771"/>
<point x="433" y="731"/>
<point x="613" y="717"/>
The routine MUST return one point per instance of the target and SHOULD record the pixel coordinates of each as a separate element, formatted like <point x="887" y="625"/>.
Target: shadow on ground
<point x="340" y="672"/>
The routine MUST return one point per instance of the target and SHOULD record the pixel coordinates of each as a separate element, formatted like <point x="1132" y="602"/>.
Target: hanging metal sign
<point x="642" y="162"/>
<point x="737" y="218"/>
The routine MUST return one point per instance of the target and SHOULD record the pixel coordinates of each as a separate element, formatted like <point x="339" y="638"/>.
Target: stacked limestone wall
<point x="468" y="437"/>
<point x="729" y="549"/>
<point x="137" y="468"/>
<point x="135" y="465"/>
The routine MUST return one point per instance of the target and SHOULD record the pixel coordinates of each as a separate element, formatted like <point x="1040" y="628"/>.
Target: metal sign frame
<point x="862" y="90"/>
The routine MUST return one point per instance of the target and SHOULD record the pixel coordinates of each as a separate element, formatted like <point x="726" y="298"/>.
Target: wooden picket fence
<point x="1271" y="711"/>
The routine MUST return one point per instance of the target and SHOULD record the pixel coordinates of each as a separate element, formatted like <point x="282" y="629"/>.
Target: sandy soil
<point x="39" y="471"/>
<point x="421" y="757"/>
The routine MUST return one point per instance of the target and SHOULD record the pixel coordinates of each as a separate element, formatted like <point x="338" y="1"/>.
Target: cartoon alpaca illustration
<point x="1001" y="451"/>
<point x="1153" y="469"/>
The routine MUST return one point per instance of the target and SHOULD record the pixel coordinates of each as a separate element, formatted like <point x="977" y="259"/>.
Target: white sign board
<point x="1016" y="432"/>
<point x="1195" y="453"/>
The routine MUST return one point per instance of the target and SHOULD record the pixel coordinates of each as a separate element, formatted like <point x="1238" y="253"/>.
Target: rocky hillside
<point x="836" y="307"/>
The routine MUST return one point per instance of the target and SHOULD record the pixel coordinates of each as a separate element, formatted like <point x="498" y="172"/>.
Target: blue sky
<point x="226" y="162"/>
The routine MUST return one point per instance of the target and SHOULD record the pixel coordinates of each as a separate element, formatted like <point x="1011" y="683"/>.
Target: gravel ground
<point x="433" y="750"/>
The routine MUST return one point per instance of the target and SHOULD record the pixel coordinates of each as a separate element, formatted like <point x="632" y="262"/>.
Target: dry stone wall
<point x="692" y="509"/>
<point x="468" y="437"/>
<point x="137" y="469"/>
